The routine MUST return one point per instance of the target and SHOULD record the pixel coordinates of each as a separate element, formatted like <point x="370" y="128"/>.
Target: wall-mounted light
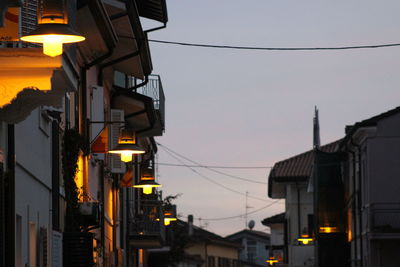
<point x="53" y="29"/>
<point x="147" y="180"/>
<point x="127" y="145"/>
<point x="169" y="214"/>
<point x="271" y="261"/>
<point x="328" y="229"/>
<point x="305" y="239"/>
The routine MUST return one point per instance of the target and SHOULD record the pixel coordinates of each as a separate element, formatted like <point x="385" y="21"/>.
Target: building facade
<point x="66" y="201"/>
<point x="255" y="246"/>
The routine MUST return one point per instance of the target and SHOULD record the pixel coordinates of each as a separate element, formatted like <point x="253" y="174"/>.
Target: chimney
<point x="190" y="224"/>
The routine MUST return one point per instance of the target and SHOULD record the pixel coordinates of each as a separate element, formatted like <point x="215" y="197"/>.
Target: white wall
<point x="298" y="254"/>
<point x="277" y="234"/>
<point x="33" y="181"/>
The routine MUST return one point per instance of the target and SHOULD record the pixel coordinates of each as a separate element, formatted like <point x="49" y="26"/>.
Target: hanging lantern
<point x="305" y="239"/>
<point x="127" y="145"/>
<point x="169" y="214"/>
<point x="53" y="29"/>
<point x="328" y="229"/>
<point x="147" y="180"/>
<point x="271" y="261"/>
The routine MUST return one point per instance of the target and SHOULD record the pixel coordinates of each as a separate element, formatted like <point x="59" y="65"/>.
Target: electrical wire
<point x="267" y="48"/>
<point x="209" y="168"/>
<point x="211" y="180"/>
<point x="241" y="215"/>
<point x="214" y="167"/>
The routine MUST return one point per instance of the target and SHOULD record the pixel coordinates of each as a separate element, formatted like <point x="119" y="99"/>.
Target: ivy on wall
<point x="71" y="147"/>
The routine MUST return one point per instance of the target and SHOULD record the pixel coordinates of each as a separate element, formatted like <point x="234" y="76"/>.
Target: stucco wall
<point x="32" y="181"/>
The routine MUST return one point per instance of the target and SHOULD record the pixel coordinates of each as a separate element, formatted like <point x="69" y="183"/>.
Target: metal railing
<point x="154" y="89"/>
<point x="384" y="217"/>
<point x="146" y="227"/>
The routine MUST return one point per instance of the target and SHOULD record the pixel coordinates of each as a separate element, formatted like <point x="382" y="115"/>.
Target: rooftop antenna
<point x="316" y="135"/>
<point x="247" y="207"/>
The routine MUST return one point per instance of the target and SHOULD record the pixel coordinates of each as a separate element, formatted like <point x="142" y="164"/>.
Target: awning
<point x="132" y="54"/>
<point x="93" y="22"/>
<point x="29" y="79"/>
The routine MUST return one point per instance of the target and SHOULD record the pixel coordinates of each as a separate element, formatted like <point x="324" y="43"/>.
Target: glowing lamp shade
<point x="167" y="221"/>
<point x="126" y="151"/>
<point x="169" y="214"/>
<point x="305" y="239"/>
<point x="328" y="229"/>
<point x="53" y="36"/>
<point x="147" y="186"/>
<point x="271" y="261"/>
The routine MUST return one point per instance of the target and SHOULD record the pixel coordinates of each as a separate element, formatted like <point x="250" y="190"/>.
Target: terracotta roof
<point x="297" y="168"/>
<point x="299" y="165"/>
<point x="278" y="218"/>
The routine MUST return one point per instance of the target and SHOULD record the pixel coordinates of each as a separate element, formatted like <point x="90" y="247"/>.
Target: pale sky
<point x="254" y="108"/>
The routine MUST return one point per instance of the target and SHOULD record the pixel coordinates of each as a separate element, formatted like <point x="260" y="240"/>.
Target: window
<point x="211" y="261"/>
<point x="224" y="262"/>
<point x="251" y="250"/>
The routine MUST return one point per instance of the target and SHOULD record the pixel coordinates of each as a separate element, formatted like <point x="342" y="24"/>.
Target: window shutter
<point x="57" y="248"/>
<point x="116" y="165"/>
<point x="28" y="16"/>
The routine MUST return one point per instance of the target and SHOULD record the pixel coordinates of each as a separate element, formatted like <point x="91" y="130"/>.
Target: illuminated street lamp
<point x="305" y="239"/>
<point x="127" y="145"/>
<point x="328" y="229"/>
<point x="169" y="214"/>
<point x="271" y="261"/>
<point x="147" y="181"/>
<point x="53" y="29"/>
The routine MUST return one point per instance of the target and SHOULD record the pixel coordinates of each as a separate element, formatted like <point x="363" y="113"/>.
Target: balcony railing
<point x="154" y="89"/>
<point x="146" y="230"/>
<point x="384" y="217"/>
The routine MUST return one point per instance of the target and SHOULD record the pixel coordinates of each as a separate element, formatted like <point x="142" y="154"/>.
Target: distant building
<point x="255" y="245"/>
<point x="278" y="245"/>
<point x="371" y="190"/>
<point x="344" y="196"/>
<point x="192" y="246"/>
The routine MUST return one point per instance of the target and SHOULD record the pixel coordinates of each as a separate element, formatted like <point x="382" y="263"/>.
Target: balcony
<point x="384" y="219"/>
<point x="145" y="231"/>
<point x="154" y="89"/>
<point x="144" y="107"/>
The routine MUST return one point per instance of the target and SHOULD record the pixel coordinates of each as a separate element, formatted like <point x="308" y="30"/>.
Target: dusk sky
<point x="254" y="108"/>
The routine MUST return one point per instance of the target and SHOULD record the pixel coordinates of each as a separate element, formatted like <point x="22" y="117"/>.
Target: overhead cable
<point x="215" y="167"/>
<point x="241" y="215"/>
<point x="267" y="48"/>
<point x="211" y="180"/>
<point x="209" y="168"/>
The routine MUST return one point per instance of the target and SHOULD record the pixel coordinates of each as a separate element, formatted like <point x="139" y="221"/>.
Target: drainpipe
<point x="115" y="61"/>
<point x="102" y="230"/>
<point x="156" y="28"/>
<point x="10" y="197"/>
<point x="136" y="86"/>
<point x="298" y="210"/>
<point x="205" y="253"/>
<point x="353" y="208"/>
<point x="359" y="199"/>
